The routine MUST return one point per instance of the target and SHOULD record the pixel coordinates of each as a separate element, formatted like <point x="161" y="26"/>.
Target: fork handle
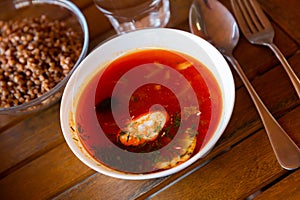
<point x="286" y="66"/>
<point x="286" y="151"/>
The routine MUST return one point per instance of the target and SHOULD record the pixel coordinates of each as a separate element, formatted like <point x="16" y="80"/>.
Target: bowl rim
<point x="82" y="21"/>
<point x="66" y="109"/>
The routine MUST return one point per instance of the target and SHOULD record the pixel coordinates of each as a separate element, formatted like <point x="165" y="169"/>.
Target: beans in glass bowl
<point x="41" y="44"/>
<point x="35" y="54"/>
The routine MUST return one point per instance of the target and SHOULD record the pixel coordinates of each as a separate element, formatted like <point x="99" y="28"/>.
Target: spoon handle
<point x="286" y="151"/>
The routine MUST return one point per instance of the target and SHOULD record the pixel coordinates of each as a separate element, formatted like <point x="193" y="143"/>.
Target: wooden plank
<point x="31" y="150"/>
<point x="287" y="189"/>
<point x="179" y="14"/>
<point x="29" y="139"/>
<point x="97" y="23"/>
<point x="273" y="91"/>
<point x="250" y="62"/>
<point x="242" y="125"/>
<point x="179" y="11"/>
<point x="252" y="166"/>
<point x="100" y="30"/>
<point x="101" y="25"/>
<point x="287" y="15"/>
<point x="79" y="191"/>
<point x="258" y="59"/>
<point x="81" y="4"/>
<point x="279" y="97"/>
<point x="239" y="127"/>
<point x="45" y="176"/>
<point x="99" y="186"/>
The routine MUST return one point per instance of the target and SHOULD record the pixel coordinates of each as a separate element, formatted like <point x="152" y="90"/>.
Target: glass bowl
<point x="62" y="11"/>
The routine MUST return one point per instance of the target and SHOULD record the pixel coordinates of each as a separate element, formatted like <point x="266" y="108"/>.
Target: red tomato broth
<point x="96" y="123"/>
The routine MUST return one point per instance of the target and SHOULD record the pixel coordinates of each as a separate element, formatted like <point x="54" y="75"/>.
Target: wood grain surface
<point x="36" y="163"/>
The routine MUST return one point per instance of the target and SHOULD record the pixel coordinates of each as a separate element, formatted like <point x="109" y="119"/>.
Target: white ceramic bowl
<point x="171" y="39"/>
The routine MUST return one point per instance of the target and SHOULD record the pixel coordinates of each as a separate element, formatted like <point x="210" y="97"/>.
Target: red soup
<point x="148" y="111"/>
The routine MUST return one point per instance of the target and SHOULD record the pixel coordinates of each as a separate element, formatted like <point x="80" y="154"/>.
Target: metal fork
<point x="258" y="30"/>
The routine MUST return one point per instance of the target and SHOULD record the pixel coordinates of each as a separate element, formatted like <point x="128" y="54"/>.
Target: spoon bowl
<point x="212" y="21"/>
<point x="204" y="21"/>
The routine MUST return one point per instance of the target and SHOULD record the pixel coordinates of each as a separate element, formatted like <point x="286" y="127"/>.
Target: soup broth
<point x="148" y="110"/>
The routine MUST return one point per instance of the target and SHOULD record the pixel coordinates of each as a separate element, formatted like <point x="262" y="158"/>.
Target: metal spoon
<point x="211" y="20"/>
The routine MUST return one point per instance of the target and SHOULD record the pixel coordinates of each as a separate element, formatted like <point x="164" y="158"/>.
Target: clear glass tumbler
<point x="128" y="15"/>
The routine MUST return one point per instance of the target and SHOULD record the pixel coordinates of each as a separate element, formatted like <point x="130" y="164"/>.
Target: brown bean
<point x="35" y="54"/>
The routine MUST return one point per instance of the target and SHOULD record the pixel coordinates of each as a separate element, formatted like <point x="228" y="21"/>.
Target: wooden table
<point x="36" y="163"/>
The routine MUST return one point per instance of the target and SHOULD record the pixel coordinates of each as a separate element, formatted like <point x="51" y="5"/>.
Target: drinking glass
<point x="128" y="15"/>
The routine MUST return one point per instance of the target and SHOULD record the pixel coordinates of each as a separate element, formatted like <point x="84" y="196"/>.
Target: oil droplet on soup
<point x="148" y="110"/>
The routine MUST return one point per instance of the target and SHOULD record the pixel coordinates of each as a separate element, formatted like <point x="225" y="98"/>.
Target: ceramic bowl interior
<point x="108" y="51"/>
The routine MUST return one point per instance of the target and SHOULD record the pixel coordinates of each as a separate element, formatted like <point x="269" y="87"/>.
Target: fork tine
<point x="246" y="16"/>
<point x="241" y="16"/>
<point x="250" y="16"/>
<point x="258" y="15"/>
<point x="252" y="12"/>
